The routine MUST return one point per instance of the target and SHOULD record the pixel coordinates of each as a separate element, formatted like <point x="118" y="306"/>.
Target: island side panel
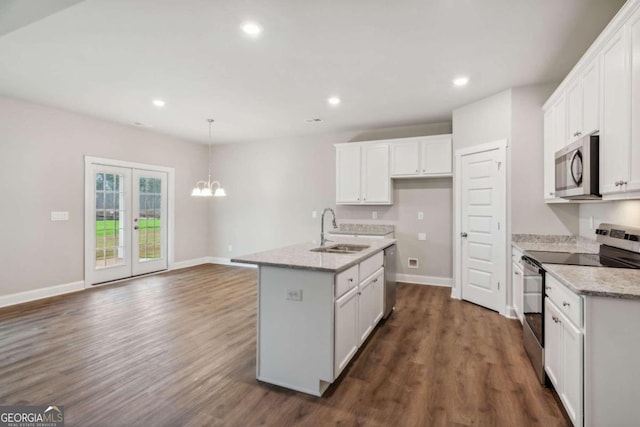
<point x="612" y="367"/>
<point x="295" y="338"/>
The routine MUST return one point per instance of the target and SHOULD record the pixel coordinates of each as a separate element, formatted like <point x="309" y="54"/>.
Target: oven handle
<point x="533" y="264"/>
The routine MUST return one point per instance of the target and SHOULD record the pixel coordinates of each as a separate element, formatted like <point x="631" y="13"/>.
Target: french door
<point x="126" y="227"/>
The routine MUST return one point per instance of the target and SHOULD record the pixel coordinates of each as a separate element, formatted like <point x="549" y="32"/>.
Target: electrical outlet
<point x="413" y="263"/>
<point x="421" y="215"/>
<point x="230" y="248"/>
<point x="422" y="236"/>
<point x="314" y="214"/>
<point x="59" y="216"/>
<point x="293" y="294"/>
<point x="374" y="215"/>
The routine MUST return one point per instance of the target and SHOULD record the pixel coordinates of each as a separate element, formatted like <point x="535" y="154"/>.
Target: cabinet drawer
<point x="346" y="280"/>
<point x="371" y="265"/>
<point x="568" y="303"/>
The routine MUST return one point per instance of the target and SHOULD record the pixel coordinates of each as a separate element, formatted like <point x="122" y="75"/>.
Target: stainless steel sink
<point x="341" y="249"/>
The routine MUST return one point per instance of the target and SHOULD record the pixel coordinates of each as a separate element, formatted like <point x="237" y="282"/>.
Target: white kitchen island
<point x="315" y="310"/>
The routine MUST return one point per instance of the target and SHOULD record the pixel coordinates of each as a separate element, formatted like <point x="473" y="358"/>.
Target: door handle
<point x="463" y="235"/>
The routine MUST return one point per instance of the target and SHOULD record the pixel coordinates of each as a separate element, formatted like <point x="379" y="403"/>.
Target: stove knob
<point x="632" y="237"/>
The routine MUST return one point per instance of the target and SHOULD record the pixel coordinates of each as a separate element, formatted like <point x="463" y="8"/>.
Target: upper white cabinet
<point x="362" y="174"/>
<point x="421" y="157"/>
<point x="615" y="132"/>
<point x="601" y="95"/>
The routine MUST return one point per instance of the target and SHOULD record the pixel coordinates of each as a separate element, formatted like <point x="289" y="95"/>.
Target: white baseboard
<point x="424" y="280"/>
<point x="227" y="261"/>
<point x="36" y="294"/>
<point x="191" y="263"/>
<point x="510" y="312"/>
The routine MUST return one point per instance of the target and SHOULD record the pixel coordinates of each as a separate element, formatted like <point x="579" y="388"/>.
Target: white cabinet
<point x="583" y="103"/>
<point x="362" y="174"/>
<point x="421" y="157"/>
<point x="348" y="173"/>
<point x="615" y="133"/>
<point x="346" y="329"/>
<point x="633" y="183"/>
<point x="549" y="156"/>
<point x="405" y="158"/>
<point x="378" y="297"/>
<point x="376" y="185"/>
<point x="560" y="136"/>
<point x="518" y="289"/>
<point x="564" y="360"/>
<point x="365" y="310"/>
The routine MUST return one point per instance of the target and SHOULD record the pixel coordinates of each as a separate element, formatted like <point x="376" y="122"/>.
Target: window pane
<point x="99" y="181"/>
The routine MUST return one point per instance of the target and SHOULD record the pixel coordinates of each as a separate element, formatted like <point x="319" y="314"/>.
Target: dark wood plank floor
<point x="179" y="349"/>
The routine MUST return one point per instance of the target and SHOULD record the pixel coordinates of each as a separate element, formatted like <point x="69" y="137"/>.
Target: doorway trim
<point x="88" y="189"/>
<point x="456" y="290"/>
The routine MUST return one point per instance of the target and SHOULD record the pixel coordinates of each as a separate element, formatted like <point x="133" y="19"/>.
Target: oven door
<point x="570" y="171"/>
<point x="533" y="308"/>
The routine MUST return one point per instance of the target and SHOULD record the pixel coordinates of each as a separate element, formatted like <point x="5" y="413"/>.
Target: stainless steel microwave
<point x="577" y="169"/>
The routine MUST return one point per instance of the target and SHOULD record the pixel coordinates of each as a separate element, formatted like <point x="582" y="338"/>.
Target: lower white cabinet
<point x="357" y="313"/>
<point x="564" y="360"/>
<point x="518" y="289"/>
<point x="346" y="329"/>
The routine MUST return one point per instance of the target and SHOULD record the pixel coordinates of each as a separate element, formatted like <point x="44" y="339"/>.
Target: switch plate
<point x="230" y="248"/>
<point x="314" y="214"/>
<point x="293" y="294"/>
<point x="374" y="215"/>
<point x="59" y="216"/>
<point x="420" y="215"/>
<point x="422" y="236"/>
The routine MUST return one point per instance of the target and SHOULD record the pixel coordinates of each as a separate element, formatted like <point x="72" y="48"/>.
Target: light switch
<point x="59" y="216"/>
<point x="230" y="248"/>
<point x="314" y="214"/>
<point x="420" y="215"/>
<point x="374" y="215"/>
<point x="422" y="236"/>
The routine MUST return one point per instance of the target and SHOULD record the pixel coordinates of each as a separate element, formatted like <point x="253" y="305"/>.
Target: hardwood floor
<point x="179" y="349"/>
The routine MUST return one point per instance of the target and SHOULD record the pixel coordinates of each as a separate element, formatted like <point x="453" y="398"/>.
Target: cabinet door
<point x="378" y="297"/>
<point x="552" y="344"/>
<point x="615" y="133"/>
<point x="560" y="128"/>
<point x="574" y="110"/>
<point x="591" y="98"/>
<point x="365" y="310"/>
<point x="376" y="179"/>
<point x="634" y="27"/>
<point x="405" y="159"/>
<point x="436" y="156"/>
<point x="572" y="372"/>
<point x="518" y="290"/>
<point x="348" y="174"/>
<point x="346" y="330"/>
<point x="549" y="155"/>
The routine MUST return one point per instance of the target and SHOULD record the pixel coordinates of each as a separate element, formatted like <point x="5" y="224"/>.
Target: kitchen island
<point x="315" y="310"/>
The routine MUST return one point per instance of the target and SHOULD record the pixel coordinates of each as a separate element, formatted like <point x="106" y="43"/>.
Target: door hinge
<point x="498" y="285"/>
<point x="499" y="165"/>
<point x="498" y="225"/>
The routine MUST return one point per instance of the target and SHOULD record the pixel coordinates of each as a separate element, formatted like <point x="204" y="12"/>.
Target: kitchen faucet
<point x="333" y="222"/>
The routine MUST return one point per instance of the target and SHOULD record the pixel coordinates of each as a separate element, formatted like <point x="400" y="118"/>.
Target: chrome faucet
<point x="333" y="222"/>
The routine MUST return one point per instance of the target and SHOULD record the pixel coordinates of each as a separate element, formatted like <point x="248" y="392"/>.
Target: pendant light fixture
<point x="205" y="188"/>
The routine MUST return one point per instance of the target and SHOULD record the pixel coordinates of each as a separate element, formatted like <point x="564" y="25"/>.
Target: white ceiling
<point x="391" y="62"/>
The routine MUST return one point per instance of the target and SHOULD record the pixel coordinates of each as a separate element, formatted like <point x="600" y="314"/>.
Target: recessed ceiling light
<point x="158" y="103"/>
<point x="334" y="100"/>
<point x="251" y="28"/>
<point x="460" y="81"/>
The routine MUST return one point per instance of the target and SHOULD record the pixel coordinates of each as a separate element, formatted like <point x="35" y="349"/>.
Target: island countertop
<point x="300" y="256"/>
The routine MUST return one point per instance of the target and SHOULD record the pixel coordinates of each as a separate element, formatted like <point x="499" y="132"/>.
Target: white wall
<point x="274" y="186"/>
<point x="42" y="170"/>
<point x="625" y="212"/>
<point x="486" y="120"/>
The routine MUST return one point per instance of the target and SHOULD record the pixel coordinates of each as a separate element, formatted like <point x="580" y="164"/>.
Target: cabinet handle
<point x="375" y="281"/>
<point x="552" y="193"/>
<point x="555" y="319"/>
<point x="350" y="280"/>
<point x="565" y="304"/>
<point x="548" y="288"/>
<point x="623" y="182"/>
<point x="617" y="183"/>
<point x="359" y="293"/>
<point x="417" y="170"/>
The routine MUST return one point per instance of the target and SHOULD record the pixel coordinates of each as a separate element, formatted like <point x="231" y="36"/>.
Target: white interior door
<point x="126" y="222"/>
<point x="483" y="211"/>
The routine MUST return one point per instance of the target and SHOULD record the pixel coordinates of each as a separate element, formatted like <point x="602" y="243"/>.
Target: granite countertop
<point x="583" y="280"/>
<point x="300" y="256"/>
<point x="368" y="229"/>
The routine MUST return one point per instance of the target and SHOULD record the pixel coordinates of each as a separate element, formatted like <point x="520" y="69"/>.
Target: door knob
<point x="463" y="234"/>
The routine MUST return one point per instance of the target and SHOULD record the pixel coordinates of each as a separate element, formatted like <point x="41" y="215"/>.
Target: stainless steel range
<point x="620" y="248"/>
